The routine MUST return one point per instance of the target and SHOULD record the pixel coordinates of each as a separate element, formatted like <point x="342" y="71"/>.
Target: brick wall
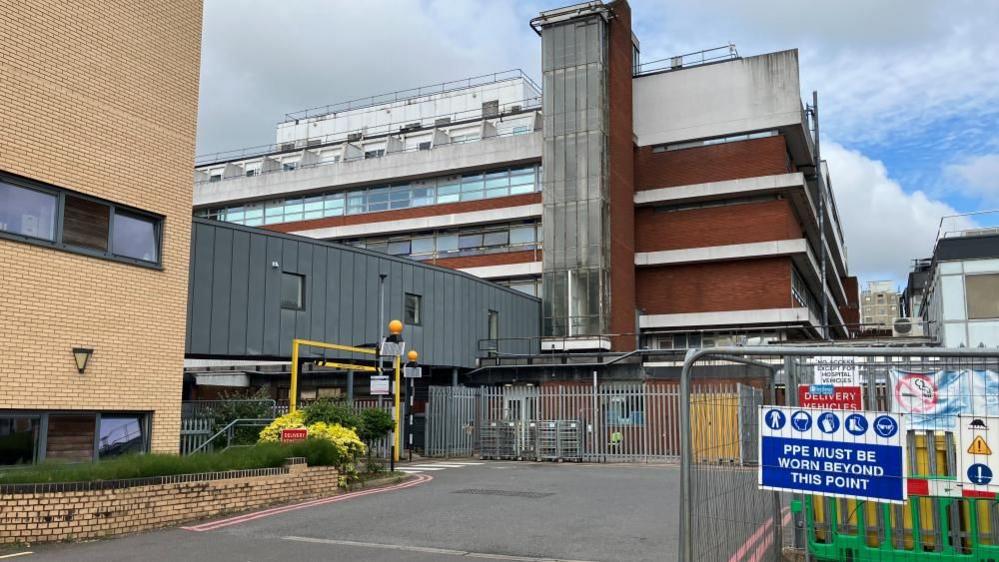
<point x="503" y="258"/>
<point x="729" y="161"/>
<point x="47" y="516"/>
<point x="715" y="226"/>
<point x="415" y="212"/>
<point x="99" y="96"/>
<point x="710" y="287"/>
<point x="621" y="176"/>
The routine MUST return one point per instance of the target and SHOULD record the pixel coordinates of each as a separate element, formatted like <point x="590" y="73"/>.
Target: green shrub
<point x="375" y="424"/>
<point x="333" y="412"/>
<point x="240" y="404"/>
<point x="317" y="452"/>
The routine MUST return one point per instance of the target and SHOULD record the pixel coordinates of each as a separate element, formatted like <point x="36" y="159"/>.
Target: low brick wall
<point x="32" y="513"/>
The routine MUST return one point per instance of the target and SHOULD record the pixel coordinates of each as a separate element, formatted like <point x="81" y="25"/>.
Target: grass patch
<point x="317" y="452"/>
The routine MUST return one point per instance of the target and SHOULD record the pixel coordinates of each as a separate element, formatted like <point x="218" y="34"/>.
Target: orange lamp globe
<point x="413" y="355"/>
<point x="395" y="327"/>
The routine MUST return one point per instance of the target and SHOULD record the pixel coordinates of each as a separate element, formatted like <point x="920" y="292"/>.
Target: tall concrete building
<point x="666" y="204"/>
<point x="98" y="107"/>
<point x="880" y="304"/>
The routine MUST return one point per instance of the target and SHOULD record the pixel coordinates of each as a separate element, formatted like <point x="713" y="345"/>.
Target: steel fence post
<point x="686" y="553"/>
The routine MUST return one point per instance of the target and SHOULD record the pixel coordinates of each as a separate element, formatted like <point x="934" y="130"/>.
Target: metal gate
<point x="724" y="516"/>
<point x="610" y="422"/>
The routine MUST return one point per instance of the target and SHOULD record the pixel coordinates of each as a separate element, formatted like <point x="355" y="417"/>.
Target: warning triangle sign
<point x="979" y="447"/>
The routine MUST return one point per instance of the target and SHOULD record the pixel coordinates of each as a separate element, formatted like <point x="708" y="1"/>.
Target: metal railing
<point x="686" y="60"/>
<point x="725" y="516"/>
<point x="228" y="433"/>
<point x="369" y="133"/>
<point x="412" y="93"/>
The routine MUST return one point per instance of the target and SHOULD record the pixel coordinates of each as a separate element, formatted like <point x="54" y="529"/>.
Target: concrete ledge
<point x="756" y="317"/>
<point x="34" y="513"/>
<point x="727" y="252"/>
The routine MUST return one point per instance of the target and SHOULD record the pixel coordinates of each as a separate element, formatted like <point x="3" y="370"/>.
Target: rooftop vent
<point x="490" y="108"/>
<point x="287" y="146"/>
<point x="354" y="137"/>
<point x="442" y="121"/>
<point x="410" y="127"/>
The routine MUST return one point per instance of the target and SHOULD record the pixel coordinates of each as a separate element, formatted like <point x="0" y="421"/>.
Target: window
<point x="121" y="435"/>
<point x="292" y="291"/>
<point x="983" y="296"/>
<point x="135" y="237"/>
<point x="497" y="238"/>
<point x="47" y="215"/>
<point x="413" y="313"/>
<point x="374" y="153"/>
<point x="85" y="223"/>
<point x="18" y="440"/>
<point x="717" y="140"/>
<point x="493" y="325"/>
<point x="214" y="178"/>
<point x="423" y="146"/>
<point x="27" y="212"/>
<point x="289" y="166"/>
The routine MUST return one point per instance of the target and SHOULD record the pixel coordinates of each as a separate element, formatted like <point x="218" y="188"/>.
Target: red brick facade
<point x="729" y="161"/>
<point x="718" y="286"/>
<point x="621" y="158"/>
<point x="411" y="213"/>
<point x="488" y="259"/>
<point x="715" y="226"/>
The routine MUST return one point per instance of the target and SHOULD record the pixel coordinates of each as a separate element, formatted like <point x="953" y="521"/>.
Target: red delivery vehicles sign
<point x="294" y="434"/>
<point x="830" y="397"/>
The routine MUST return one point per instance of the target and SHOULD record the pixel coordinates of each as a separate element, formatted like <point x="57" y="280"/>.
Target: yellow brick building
<point x="98" y="109"/>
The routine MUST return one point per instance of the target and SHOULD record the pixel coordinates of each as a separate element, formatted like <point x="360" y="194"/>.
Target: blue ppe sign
<point x="846" y="454"/>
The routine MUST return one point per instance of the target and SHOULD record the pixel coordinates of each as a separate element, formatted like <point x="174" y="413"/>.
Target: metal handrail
<point x="227" y="430"/>
<point x="526" y="105"/>
<point x="411" y="93"/>
<point x="703" y="56"/>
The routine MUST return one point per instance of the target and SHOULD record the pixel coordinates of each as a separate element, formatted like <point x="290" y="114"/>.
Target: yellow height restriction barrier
<point x="296" y="344"/>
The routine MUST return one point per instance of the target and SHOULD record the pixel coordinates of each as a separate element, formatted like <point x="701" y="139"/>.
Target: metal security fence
<point x="609" y="422"/>
<point x="725" y="516"/>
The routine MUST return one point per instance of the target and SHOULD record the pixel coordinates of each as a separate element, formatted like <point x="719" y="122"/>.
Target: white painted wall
<point x="439" y="161"/>
<point x="750" y="94"/>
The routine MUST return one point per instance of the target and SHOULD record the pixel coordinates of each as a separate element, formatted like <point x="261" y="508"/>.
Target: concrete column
<point x="350" y="387"/>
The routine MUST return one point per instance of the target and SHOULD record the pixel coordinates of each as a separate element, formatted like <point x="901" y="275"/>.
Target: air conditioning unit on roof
<point x="907" y="328"/>
<point x="354" y="137"/>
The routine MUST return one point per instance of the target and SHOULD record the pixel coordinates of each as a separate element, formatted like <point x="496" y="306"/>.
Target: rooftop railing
<point x="413" y="93"/>
<point x="687" y="60"/>
<point x="977" y="223"/>
<point x="367" y="133"/>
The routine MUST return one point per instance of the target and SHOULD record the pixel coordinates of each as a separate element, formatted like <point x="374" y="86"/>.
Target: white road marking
<point x="445" y="465"/>
<point x="409" y="470"/>
<point x="452" y="552"/>
<point x="467" y="463"/>
<point x="16" y="554"/>
<point x="421" y="467"/>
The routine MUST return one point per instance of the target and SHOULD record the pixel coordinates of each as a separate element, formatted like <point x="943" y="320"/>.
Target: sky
<point x="908" y="90"/>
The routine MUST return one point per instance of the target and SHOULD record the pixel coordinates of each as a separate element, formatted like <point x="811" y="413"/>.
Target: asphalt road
<point x="492" y="511"/>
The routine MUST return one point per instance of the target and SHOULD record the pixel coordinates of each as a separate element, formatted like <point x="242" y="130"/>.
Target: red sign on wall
<point x="291" y="435"/>
<point x="841" y="397"/>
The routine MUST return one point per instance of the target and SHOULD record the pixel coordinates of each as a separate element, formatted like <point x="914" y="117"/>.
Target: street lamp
<point x="394" y="346"/>
<point x="82" y="357"/>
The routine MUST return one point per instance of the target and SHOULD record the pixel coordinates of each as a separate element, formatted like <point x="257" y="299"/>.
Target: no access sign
<point x="845" y="454"/>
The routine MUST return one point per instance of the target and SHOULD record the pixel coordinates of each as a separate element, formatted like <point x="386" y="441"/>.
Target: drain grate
<point x="511" y="493"/>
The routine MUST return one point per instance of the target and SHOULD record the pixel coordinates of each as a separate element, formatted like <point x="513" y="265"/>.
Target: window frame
<point x="301" y="284"/>
<point x="418" y="310"/>
<point x="57" y="243"/>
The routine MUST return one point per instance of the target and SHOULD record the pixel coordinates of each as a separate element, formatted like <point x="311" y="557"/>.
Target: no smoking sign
<point x="916" y="393"/>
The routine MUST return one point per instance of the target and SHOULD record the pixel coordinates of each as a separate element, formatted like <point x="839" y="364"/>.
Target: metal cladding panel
<point x="239" y="292"/>
<point x="235" y="296"/>
<point x="221" y="289"/>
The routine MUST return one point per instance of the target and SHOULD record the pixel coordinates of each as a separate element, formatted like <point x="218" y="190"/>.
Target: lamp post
<point x="410" y="371"/>
<point x="394" y="346"/>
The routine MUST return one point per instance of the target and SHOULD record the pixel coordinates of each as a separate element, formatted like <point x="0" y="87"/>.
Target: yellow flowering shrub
<point x="292" y="420"/>
<point x="344" y="438"/>
<point x="348" y="445"/>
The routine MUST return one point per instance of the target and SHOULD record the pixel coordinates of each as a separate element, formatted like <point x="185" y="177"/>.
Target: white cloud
<point x="979" y="176"/>
<point x="885" y="227"/>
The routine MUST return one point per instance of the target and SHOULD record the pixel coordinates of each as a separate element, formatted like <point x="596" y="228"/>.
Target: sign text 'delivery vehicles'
<point x="839" y="453"/>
